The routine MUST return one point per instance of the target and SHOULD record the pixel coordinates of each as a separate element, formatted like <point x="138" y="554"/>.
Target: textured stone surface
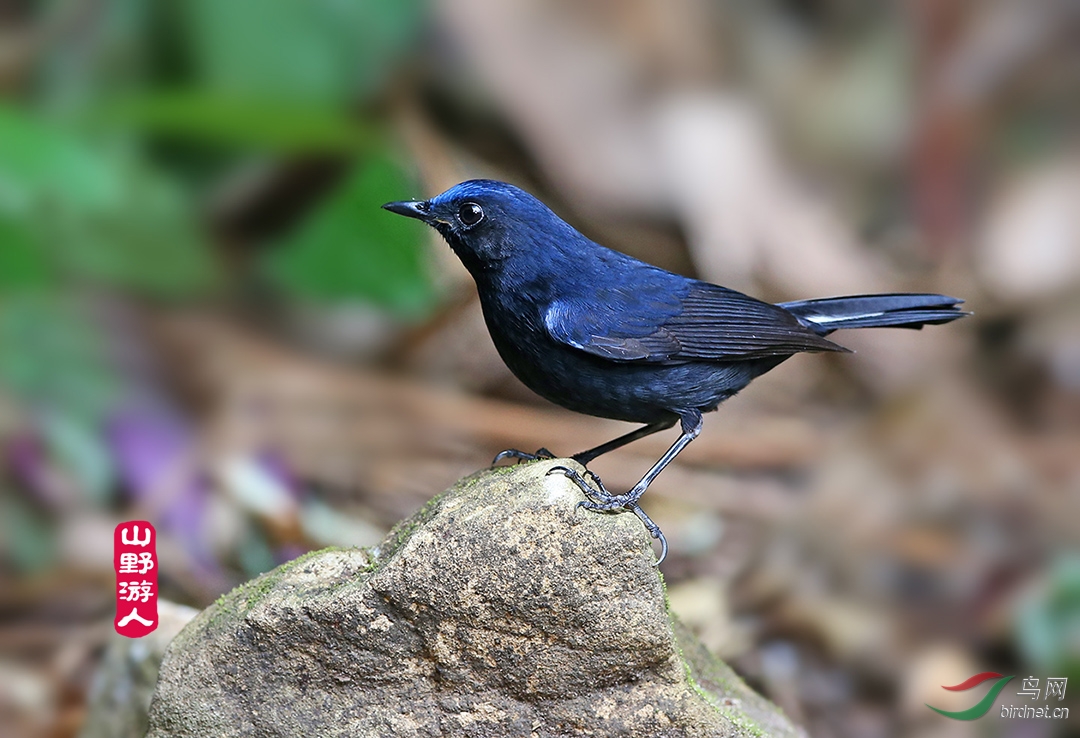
<point x="496" y="610"/>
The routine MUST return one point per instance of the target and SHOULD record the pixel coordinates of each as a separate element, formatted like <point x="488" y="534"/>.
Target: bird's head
<point x="486" y="222"/>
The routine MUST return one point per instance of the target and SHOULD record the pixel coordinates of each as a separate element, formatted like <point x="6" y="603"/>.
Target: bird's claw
<point x="653" y="528"/>
<point x="600" y="500"/>
<point x="513" y="453"/>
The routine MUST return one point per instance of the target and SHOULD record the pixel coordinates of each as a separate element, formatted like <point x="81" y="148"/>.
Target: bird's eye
<point x="470" y="214"/>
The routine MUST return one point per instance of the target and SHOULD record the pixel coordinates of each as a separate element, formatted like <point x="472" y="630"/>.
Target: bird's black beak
<point x="419" y="209"/>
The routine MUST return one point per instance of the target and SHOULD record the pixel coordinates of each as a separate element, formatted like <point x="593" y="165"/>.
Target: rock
<point x="498" y="609"/>
<point x="120" y="693"/>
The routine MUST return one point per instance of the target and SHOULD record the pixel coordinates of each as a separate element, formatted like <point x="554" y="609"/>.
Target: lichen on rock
<point x="498" y="609"/>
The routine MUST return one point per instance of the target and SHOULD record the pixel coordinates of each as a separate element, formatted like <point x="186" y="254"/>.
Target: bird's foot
<point x="599" y="497"/>
<point x="513" y="453"/>
<point x="653" y="528"/>
<point x="601" y="500"/>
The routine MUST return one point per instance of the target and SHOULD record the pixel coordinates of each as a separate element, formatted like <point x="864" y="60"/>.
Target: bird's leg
<point x="584" y="457"/>
<point x="601" y="500"/>
<point x="513" y="453"/>
<point x="605" y="500"/>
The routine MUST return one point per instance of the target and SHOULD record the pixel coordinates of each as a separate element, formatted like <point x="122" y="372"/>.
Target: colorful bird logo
<point x="984" y="705"/>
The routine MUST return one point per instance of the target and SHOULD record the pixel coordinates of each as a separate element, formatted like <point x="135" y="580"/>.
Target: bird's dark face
<point x="484" y="221"/>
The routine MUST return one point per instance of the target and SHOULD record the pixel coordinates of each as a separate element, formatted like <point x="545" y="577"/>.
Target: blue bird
<point x="604" y="334"/>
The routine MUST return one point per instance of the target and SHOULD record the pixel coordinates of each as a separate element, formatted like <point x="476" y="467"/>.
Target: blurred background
<point x="206" y="321"/>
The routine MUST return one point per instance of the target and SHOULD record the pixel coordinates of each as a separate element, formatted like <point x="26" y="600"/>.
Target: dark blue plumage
<point x="604" y="334"/>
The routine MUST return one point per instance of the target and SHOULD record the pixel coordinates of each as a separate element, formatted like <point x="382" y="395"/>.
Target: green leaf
<point x="26" y="537"/>
<point x="153" y="245"/>
<point x="254" y="553"/>
<point x="325" y="52"/>
<point x="23" y="264"/>
<point x="42" y="162"/>
<point x="113" y="55"/>
<point x="89" y="213"/>
<point x="276" y="127"/>
<point x="54" y="356"/>
<point x="81" y="448"/>
<point x="350" y="249"/>
<point x="1048" y="620"/>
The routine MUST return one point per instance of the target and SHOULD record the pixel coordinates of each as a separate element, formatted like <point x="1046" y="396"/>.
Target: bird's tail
<point x="825" y="315"/>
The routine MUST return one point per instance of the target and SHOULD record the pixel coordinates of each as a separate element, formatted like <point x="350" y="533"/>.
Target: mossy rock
<point x="499" y="609"/>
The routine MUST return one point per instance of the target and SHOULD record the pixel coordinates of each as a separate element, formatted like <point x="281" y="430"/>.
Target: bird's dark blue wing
<point x="668" y="321"/>
<point x="622" y="324"/>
